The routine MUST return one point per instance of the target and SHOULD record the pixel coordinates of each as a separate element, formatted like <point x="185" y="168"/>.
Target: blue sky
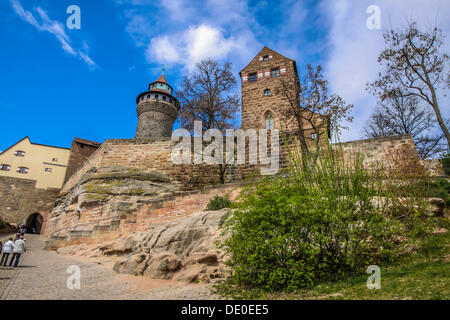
<point x="58" y="83"/>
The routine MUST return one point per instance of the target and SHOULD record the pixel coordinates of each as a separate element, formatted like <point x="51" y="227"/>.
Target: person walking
<point x="19" y="249"/>
<point x="6" y="250"/>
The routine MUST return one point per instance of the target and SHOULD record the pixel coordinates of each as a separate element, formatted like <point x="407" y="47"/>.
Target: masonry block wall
<point x="395" y="152"/>
<point x="19" y="199"/>
<point x="80" y="151"/>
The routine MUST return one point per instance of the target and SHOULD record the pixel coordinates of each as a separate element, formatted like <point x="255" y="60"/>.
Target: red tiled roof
<point x="161" y="79"/>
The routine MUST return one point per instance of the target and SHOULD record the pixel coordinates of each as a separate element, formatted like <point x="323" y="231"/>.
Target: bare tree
<point x="312" y="107"/>
<point x="414" y="66"/>
<point x="208" y="95"/>
<point x="405" y="115"/>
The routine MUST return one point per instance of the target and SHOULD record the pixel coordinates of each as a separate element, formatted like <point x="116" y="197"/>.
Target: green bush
<point x="218" y="203"/>
<point x="317" y="222"/>
<point x="439" y="188"/>
<point x="446" y="164"/>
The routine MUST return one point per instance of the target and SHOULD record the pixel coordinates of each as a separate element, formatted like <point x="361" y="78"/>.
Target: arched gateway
<point x="34" y="223"/>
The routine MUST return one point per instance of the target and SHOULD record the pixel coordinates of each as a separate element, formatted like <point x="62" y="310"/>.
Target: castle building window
<point x="5" y="167"/>
<point x="19" y="153"/>
<point x="22" y="170"/>
<point x="266" y="58"/>
<point x="275" y="72"/>
<point x="314" y="136"/>
<point x="267" y="92"/>
<point x="252" y="77"/>
<point x="48" y="169"/>
<point x="269" y="121"/>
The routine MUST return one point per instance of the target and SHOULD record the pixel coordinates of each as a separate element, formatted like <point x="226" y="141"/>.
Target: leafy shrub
<point x="446" y="164"/>
<point x="439" y="188"/>
<point x="317" y="222"/>
<point x="218" y="203"/>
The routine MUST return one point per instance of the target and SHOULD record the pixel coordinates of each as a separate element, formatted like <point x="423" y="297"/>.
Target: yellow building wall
<point x="36" y="159"/>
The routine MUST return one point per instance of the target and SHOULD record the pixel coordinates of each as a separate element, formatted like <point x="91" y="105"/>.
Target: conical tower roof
<point x="156" y="85"/>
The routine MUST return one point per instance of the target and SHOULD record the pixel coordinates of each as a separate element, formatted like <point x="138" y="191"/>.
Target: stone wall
<point x="19" y="199"/>
<point x="433" y="168"/>
<point x="147" y="154"/>
<point x="396" y="153"/>
<point x="80" y="151"/>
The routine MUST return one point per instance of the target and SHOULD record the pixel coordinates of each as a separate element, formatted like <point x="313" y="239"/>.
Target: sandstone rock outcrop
<point x="103" y="199"/>
<point x="183" y="249"/>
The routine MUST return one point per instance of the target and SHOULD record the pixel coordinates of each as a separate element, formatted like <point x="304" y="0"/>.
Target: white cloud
<point x="354" y="49"/>
<point x="55" y="28"/>
<point x="191" y="46"/>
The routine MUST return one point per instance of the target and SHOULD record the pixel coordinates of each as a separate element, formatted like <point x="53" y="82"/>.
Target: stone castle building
<point x="125" y="185"/>
<point x="157" y="110"/>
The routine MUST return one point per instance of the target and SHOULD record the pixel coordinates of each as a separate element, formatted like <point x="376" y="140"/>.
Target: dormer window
<point x="269" y="121"/>
<point x="19" y="153"/>
<point x="252" y="77"/>
<point x="267" y="92"/>
<point x="55" y="159"/>
<point x="5" y="167"/>
<point x="275" y="72"/>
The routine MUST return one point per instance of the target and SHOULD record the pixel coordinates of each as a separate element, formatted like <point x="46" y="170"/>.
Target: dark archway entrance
<point x="34" y="223"/>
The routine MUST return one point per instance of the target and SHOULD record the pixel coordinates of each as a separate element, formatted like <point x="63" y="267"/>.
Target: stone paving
<point x="43" y="275"/>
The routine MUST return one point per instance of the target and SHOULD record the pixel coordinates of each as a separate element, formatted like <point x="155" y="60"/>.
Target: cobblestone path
<point x="43" y="275"/>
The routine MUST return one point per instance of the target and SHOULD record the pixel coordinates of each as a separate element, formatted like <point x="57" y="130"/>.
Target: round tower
<point x="156" y="110"/>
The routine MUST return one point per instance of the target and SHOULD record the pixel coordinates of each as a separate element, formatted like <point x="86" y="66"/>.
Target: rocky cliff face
<point x="104" y="200"/>
<point x="108" y="203"/>
<point x="183" y="250"/>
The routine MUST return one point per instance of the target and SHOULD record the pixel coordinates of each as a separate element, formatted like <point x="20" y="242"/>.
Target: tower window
<point x="275" y="72"/>
<point x="156" y="96"/>
<point x="148" y="96"/>
<point x="266" y="58"/>
<point x="269" y="121"/>
<point x="164" y="98"/>
<point x="5" y="167"/>
<point x="19" y="153"/>
<point x="267" y="92"/>
<point x="252" y="77"/>
<point x="22" y="170"/>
